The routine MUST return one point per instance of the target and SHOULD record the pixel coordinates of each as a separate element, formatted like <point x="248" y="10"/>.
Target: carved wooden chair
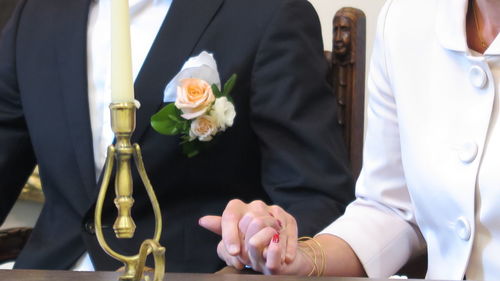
<point x="347" y="76"/>
<point x="12" y="241"/>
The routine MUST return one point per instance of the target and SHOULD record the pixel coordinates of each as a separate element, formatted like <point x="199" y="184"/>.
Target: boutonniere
<point x="198" y="107"/>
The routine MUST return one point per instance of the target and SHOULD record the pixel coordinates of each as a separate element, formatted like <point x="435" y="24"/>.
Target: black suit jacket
<point x="6" y="8"/>
<point x="284" y="148"/>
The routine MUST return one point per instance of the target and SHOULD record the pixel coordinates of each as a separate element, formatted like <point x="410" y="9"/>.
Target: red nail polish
<point x="276" y="238"/>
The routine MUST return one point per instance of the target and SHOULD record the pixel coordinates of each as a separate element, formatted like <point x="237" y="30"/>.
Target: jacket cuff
<point x="382" y="240"/>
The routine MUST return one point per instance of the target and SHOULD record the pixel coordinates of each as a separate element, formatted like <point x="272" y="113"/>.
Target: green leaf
<point x="175" y="118"/>
<point x="184" y="126"/>
<point x="229" y="85"/>
<point x="190" y="148"/>
<point x="216" y="91"/>
<point x="167" y="120"/>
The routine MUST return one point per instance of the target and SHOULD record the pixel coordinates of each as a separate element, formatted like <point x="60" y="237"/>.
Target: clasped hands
<point x="257" y="235"/>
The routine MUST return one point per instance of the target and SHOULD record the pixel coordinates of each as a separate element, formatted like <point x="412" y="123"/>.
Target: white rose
<point x="223" y="112"/>
<point x="203" y="128"/>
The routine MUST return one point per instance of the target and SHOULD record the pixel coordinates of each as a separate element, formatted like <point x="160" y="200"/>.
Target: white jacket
<point x="430" y="104"/>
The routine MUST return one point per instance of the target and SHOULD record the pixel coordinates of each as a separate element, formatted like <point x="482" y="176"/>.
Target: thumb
<point x="212" y="223"/>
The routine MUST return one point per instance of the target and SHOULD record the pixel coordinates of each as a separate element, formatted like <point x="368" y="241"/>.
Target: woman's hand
<point x="266" y="252"/>
<point x="265" y="238"/>
<point x="240" y="222"/>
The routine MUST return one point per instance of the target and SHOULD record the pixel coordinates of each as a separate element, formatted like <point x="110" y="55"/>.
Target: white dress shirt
<point x="146" y="17"/>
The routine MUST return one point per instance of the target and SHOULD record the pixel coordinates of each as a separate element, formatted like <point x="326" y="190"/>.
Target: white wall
<point x="327" y="8"/>
<point x="24" y="213"/>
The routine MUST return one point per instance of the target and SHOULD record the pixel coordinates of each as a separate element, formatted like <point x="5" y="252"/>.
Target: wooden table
<point x="55" y="275"/>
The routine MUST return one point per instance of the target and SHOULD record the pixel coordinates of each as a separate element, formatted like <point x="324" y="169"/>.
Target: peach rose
<point x="203" y="128"/>
<point x="194" y="97"/>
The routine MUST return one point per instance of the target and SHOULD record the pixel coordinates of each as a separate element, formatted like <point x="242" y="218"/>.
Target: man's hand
<point x="243" y="226"/>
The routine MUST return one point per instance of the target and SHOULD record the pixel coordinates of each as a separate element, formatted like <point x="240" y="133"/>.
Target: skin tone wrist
<point x="305" y="262"/>
<point x="341" y="260"/>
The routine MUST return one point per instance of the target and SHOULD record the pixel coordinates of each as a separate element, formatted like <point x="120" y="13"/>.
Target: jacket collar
<point x="450" y="24"/>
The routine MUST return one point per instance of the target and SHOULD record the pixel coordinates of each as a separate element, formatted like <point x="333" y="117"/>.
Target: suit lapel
<point x="72" y="63"/>
<point x="178" y="35"/>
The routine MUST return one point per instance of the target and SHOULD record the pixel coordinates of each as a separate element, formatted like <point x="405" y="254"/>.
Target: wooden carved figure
<point x="348" y="58"/>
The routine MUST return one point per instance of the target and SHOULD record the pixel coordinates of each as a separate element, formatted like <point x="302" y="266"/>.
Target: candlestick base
<point x="123" y="125"/>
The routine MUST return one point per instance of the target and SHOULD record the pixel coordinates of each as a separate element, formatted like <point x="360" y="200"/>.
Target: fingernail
<point x="234" y="249"/>
<point x="276" y="238"/>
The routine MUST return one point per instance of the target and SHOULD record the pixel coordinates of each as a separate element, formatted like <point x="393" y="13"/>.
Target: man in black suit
<point x="284" y="147"/>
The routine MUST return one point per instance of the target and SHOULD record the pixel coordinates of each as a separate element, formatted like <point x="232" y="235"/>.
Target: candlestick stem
<point x="123" y="125"/>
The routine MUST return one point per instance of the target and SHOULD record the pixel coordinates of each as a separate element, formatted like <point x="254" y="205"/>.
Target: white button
<point x="462" y="228"/>
<point x="478" y="77"/>
<point x="468" y="152"/>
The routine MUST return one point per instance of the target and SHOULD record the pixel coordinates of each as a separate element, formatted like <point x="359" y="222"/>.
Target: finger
<point x="287" y="230"/>
<point x="259" y="223"/>
<point x="250" y="217"/>
<point x="245" y="221"/>
<point x="229" y="259"/>
<point x="212" y="223"/>
<point x="291" y="233"/>
<point x="243" y="226"/>
<point x="257" y="209"/>
<point x="280" y="214"/>
<point x="256" y="246"/>
<point x="249" y="226"/>
<point x="229" y="223"/>
<point x="274" y="255"/>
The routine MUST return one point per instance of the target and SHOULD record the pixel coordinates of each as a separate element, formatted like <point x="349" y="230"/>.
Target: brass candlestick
<point x="123" y="125"/>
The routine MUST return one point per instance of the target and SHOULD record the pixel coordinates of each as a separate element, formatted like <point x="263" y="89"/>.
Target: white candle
<point x="122" y="87"/>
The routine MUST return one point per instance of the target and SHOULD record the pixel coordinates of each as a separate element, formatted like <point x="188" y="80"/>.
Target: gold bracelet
<point x="312" y="257"/>
<point x="313" y="251"/>
<point x="323" y="257"/>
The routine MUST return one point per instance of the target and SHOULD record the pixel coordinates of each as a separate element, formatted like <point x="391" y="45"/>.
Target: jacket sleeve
<point x="293" y="112"/>
<point x="380" y="224"/>
<point x="17" y="159"/>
